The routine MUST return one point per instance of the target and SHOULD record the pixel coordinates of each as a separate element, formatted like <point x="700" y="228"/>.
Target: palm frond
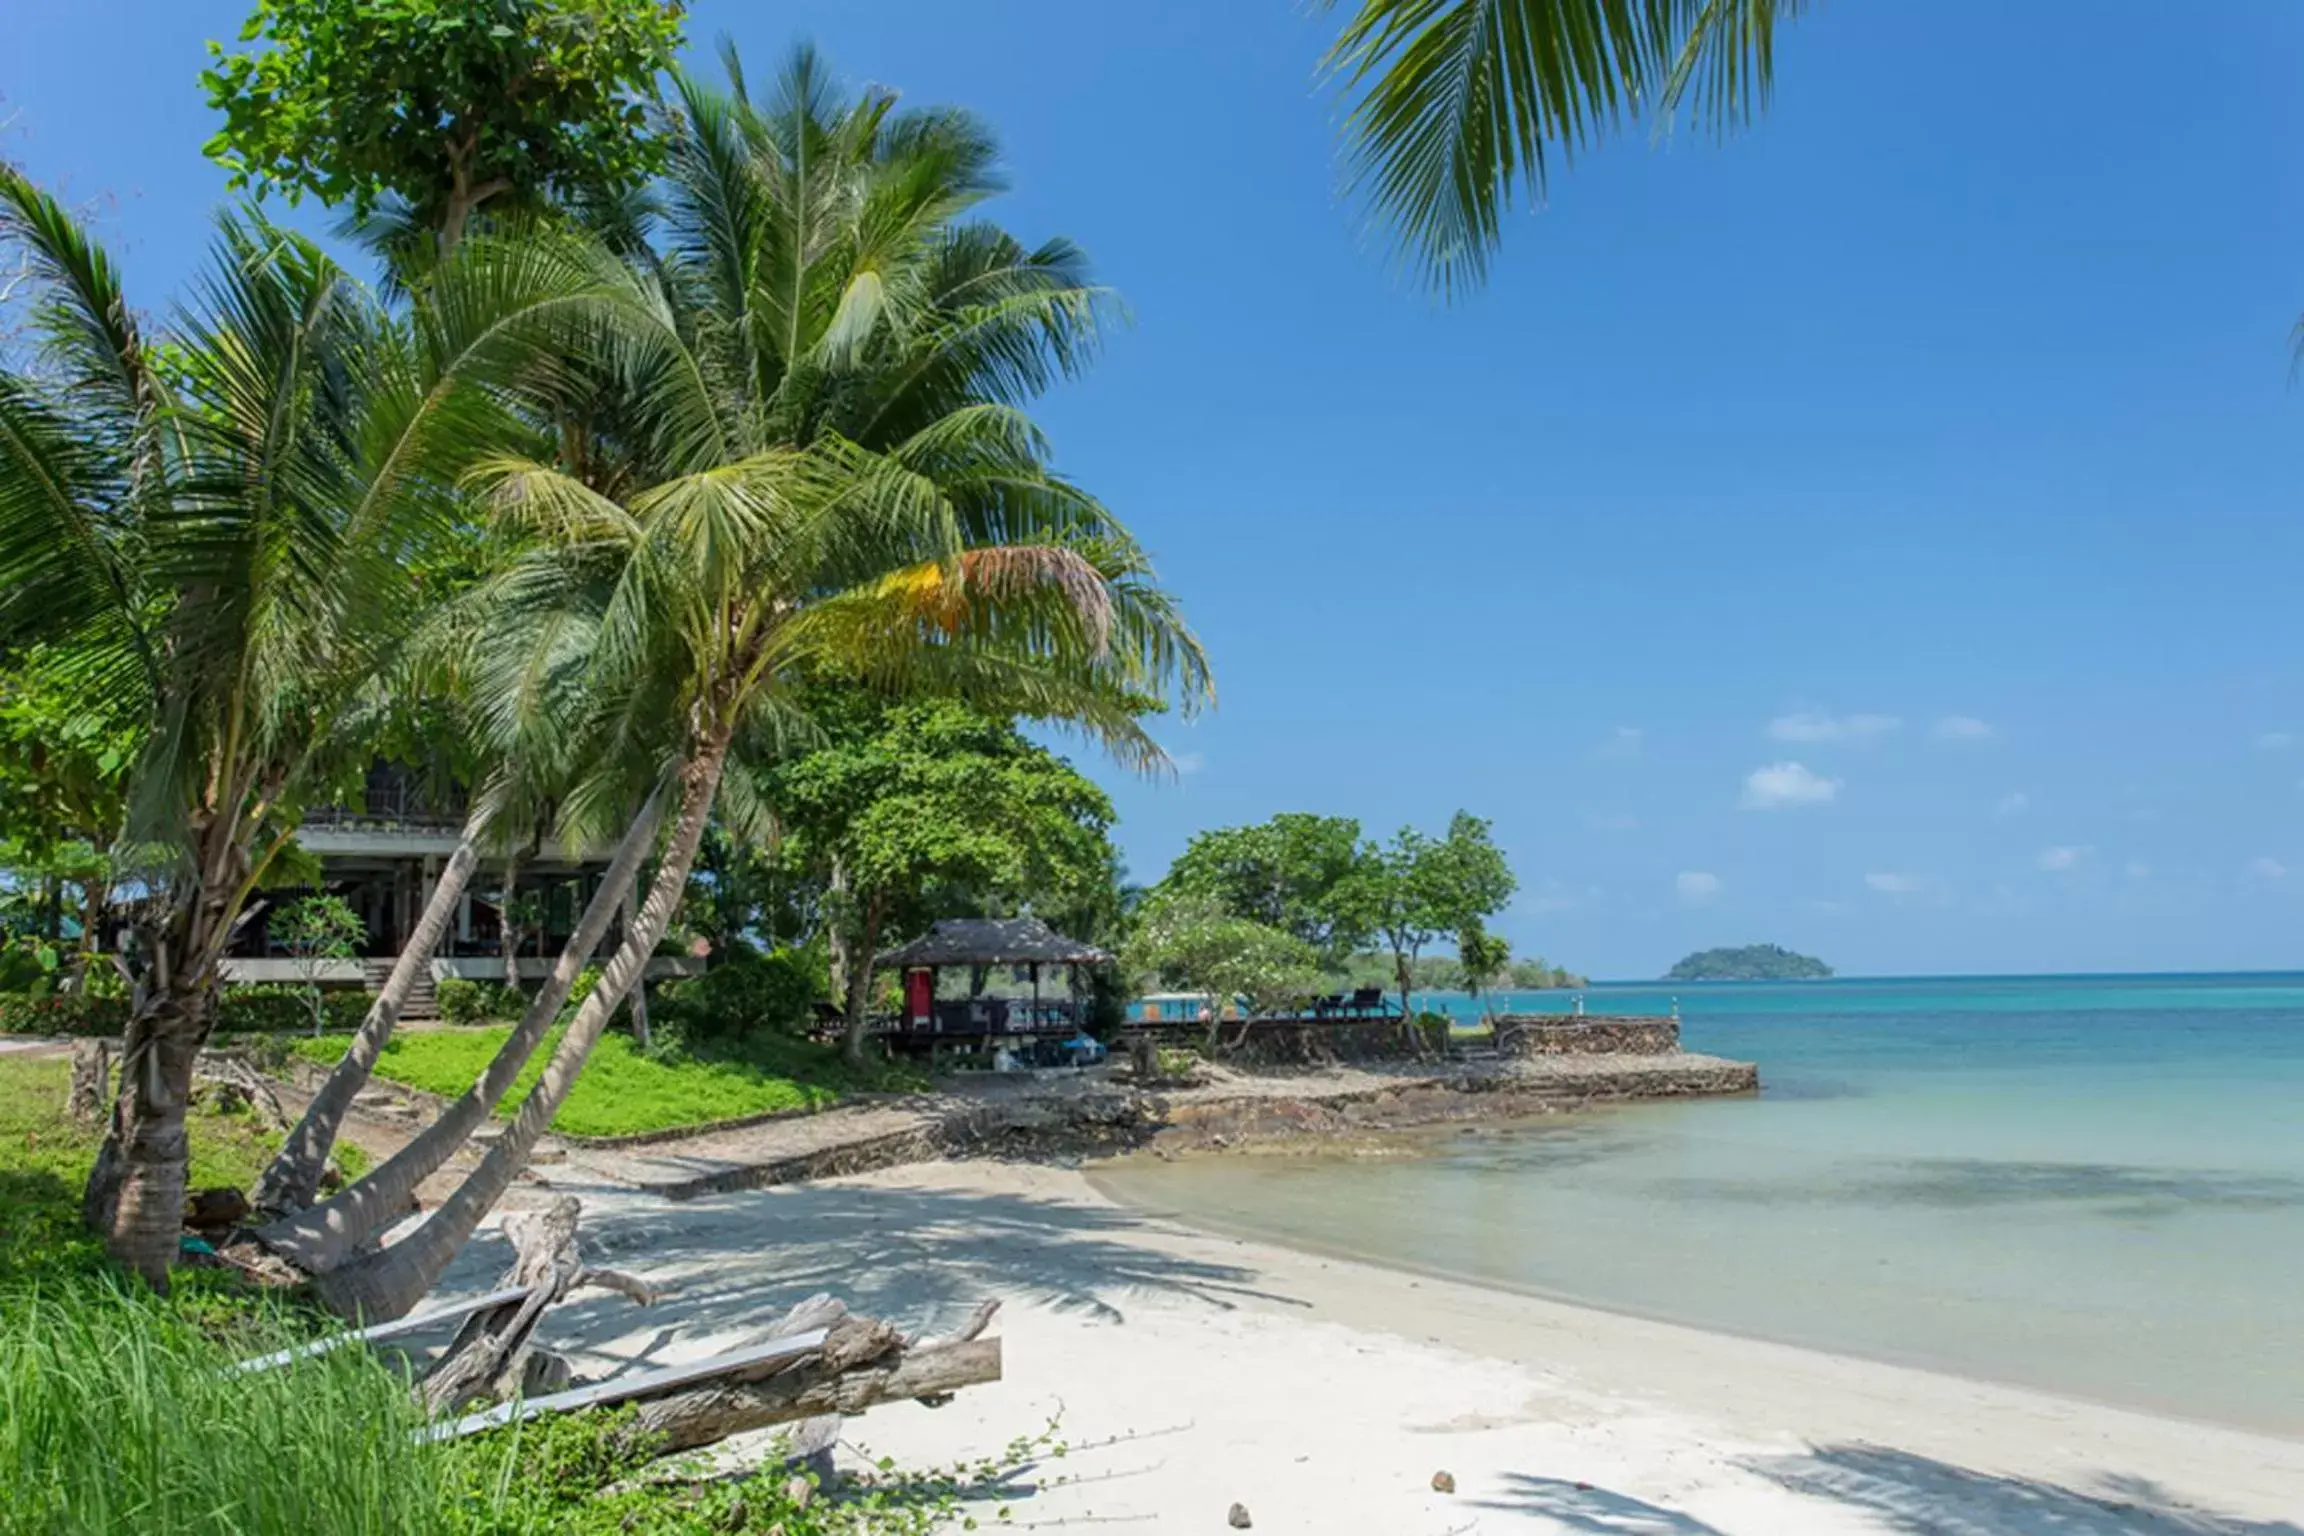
<point x="1456" y="104"/>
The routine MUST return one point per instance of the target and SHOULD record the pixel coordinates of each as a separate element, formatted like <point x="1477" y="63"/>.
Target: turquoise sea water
<point x="2093" y="1185"/>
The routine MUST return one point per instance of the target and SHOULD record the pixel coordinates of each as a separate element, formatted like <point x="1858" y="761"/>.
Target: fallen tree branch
<point x="491" y="1355"/>
<point x="815" y="1387"/>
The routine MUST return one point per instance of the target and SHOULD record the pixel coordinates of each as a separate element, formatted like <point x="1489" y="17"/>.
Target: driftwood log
<point x="491" y="1355"/>
<point x="817" y="1363"/>
<point x="862" y="1362"/>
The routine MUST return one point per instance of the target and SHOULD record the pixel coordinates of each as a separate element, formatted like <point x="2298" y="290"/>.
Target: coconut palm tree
<point x="225" y="528"/>
<point x="817" y="473"/>
<point x="1456" y="104"/>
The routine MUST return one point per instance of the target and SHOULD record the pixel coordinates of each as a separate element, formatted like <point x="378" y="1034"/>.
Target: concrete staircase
<point x="423" y="1003"/>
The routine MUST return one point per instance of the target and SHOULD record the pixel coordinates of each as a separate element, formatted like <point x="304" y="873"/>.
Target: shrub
<point x="587" y="980"/>
<point x="72" y="1013"/>
<point x="744" y="994"/>
<point x="273" y="1009"/>
<point x="478" y="1002"/>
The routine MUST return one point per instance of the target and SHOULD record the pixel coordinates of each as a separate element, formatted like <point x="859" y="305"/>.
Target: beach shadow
<point x="921" y="1258"/>
<point x="1600" y="1511"/>
<point x="1914" y="1494"/>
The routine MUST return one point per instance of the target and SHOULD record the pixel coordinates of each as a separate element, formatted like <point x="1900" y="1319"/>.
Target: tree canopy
<point x="1423" y="888"/>
<point x="929" y="810"/>
<point x="444" y="104"/>
<point x="1305" y="875"/>
<point x="1191" y="940"/>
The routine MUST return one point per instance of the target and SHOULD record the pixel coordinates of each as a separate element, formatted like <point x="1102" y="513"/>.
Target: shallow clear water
<point x="2093" y="1185"/>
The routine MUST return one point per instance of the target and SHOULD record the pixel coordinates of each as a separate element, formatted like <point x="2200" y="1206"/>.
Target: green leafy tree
<point x="1456" y="106"/>
<point x="317" y="930"/>
<point x="1482" y="957"/>
<point x="1422" y="888"/>
<point x="1193" y="941"/>
<point x="1303" y="874"/>
<point x="1537" y="974"/>
<point x="934" y="810"/>
<point x="448" y="105"/>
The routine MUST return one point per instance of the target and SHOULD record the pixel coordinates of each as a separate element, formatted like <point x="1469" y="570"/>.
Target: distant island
<point x="1752" y="962"/>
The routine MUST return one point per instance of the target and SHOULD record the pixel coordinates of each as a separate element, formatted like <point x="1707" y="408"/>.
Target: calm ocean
<point x="2093" y="1185"/>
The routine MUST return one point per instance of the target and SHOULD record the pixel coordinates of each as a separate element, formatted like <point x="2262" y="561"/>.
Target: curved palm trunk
<point x="293" y="1180"/>
<point x="387" y="1284"/>
<point x="323" y="1237"/>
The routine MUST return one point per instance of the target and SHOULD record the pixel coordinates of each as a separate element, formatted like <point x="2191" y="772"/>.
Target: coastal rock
<point x="1237" y="1517"/>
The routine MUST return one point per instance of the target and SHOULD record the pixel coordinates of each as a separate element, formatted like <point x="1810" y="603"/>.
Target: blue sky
<point x="1875" y="534"/>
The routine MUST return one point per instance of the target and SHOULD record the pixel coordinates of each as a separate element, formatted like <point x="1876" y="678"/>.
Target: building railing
<point x="394" y="799"/>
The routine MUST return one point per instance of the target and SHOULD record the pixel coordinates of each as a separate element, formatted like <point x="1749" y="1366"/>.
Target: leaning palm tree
<point x="1456" y="104"/>
<point x="818" y="473"/>
<point x="221" y="528"/>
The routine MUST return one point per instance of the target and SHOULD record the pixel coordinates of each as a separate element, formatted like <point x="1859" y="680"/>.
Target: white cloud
<point x="2014" y="803"/>
<point x="1961" y="728"/>
<point x="2061" y="858"/>
<point x="2139" y="870"/>
<point x="1821" y="725"/>
<point x="2268" y="869"/>
<point x="1188" y="763"/>
<point x="1896" y="885"/>
<point x="1623" y="741"/>
<point x="1695" y="885"/>
<point x="1782" y="785"/>
<point x="2276" y="741"/>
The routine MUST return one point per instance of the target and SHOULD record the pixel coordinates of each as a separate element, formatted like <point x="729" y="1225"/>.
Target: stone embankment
<point x="1071" y="1115"/>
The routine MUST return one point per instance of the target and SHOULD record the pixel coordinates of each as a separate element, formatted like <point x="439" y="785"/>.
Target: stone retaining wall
<point x="1294" y="1042"/>
<point x="1562" y="1034"/>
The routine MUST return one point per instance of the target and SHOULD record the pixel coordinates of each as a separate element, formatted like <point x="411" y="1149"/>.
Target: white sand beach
<point x="1193" y="1371"/>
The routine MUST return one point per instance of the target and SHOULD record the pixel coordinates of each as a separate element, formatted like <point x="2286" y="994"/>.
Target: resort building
<point x="384" y="860"/>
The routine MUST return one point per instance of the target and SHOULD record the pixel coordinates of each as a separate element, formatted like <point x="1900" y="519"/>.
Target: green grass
<point x="45" y="1158"/>
<point x="116" y="1415"/>
<point x="118" y="1418"/>
<point x="626" y="1092"/>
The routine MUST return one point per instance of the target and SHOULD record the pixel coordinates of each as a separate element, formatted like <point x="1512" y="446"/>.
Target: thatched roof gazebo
<point x="978" y="942"/>
<point x="992" y="941"/>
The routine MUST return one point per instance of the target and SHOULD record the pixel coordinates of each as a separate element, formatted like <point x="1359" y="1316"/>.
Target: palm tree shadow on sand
<point x="921" y="1258"/>
<point x="1903" y="1493"/>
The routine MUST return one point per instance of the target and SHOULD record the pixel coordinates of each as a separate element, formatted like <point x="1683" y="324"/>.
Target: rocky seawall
<point x="1066" y="1117"/>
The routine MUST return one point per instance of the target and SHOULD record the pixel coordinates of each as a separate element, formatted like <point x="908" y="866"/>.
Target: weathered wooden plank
<point x="620" y="1389"/>
<point x="415" y="1322"/>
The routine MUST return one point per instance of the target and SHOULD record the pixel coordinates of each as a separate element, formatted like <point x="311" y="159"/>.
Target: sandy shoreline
<point x="1193" y="1370"/>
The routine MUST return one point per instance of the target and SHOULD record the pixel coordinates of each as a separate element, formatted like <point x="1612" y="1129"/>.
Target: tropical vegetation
<point x="1287" y="908"/>
<point x="638" y="496"/>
